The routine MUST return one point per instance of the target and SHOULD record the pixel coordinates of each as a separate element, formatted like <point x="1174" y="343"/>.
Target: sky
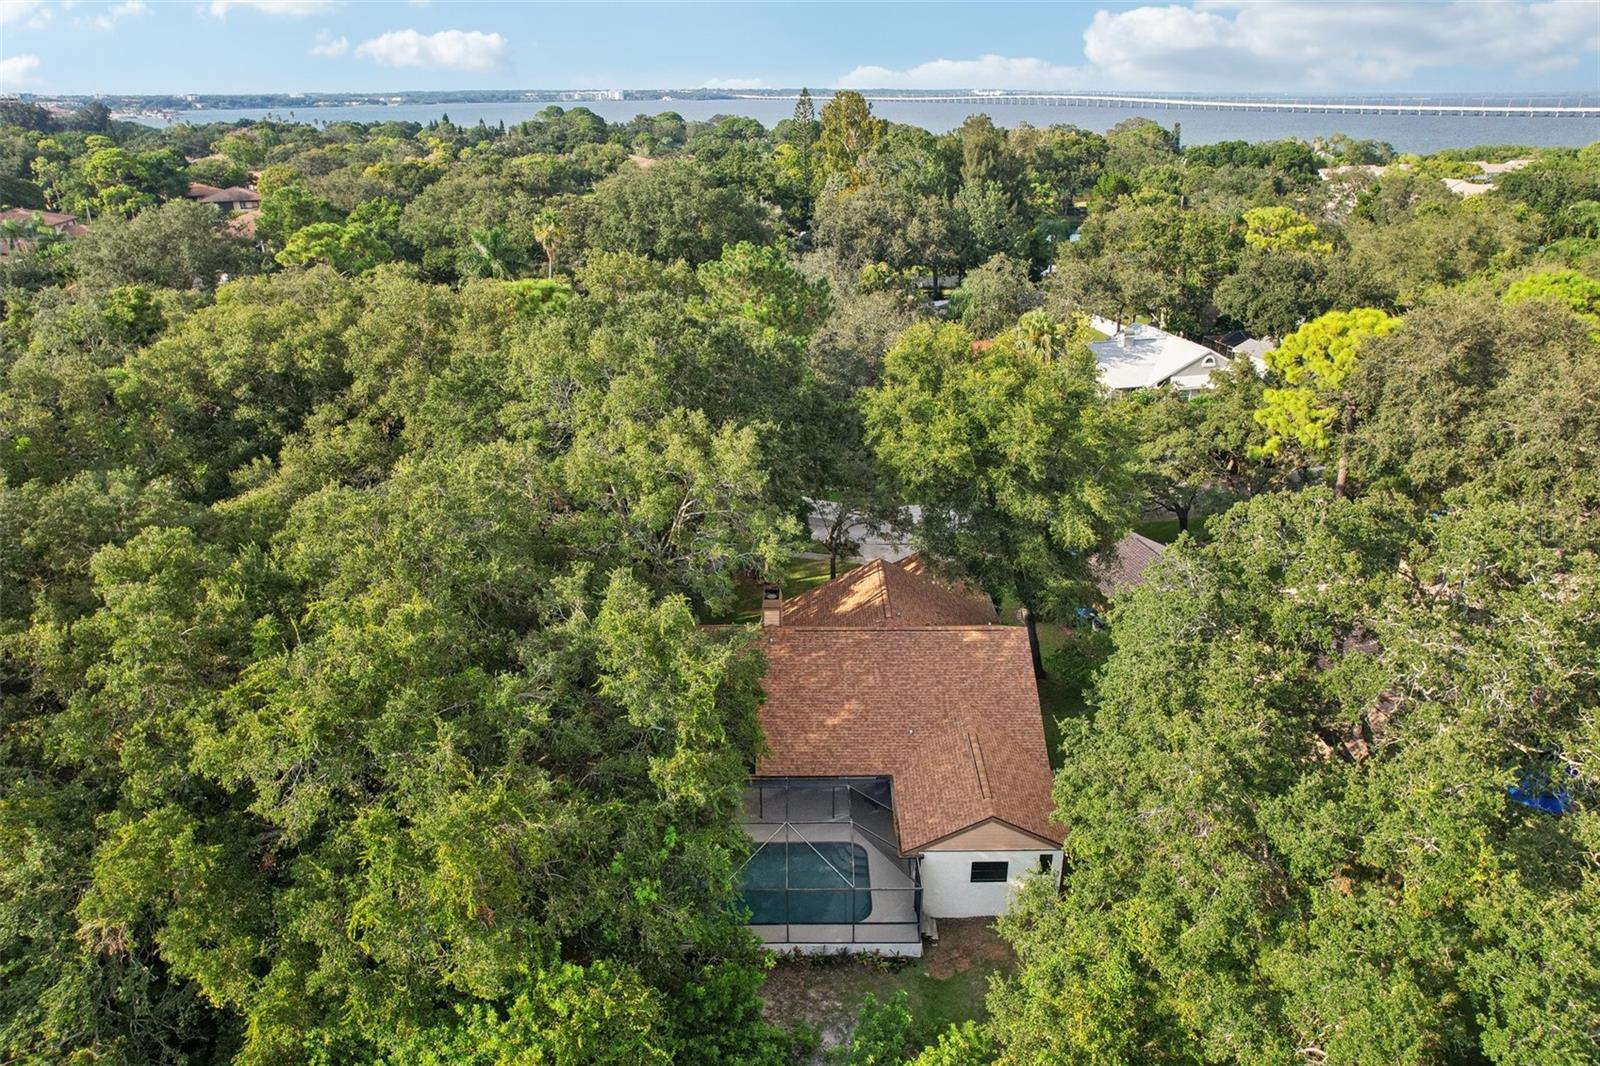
<point x="255" y="46"/>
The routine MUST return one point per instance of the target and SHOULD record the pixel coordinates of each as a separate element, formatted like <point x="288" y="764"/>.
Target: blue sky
<point x="216" y="46"/>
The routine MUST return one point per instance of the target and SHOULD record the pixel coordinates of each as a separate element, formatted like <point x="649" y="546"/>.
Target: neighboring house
<point x="906" y="778"/>
<point x="243" y="223"/>
<point x="1459" y="186"/>
<point x="17" y="223"/>
<point x="1464" y="187"/>
<point x="1495" y="169"/>
<point x="1125" y="564"/>
<point x="59" y="221"/>
<point x="199" y="191"/>
<point x="1140" y="356"/>
<point x="1239" y="343"/>
<point x="234" y="198"/>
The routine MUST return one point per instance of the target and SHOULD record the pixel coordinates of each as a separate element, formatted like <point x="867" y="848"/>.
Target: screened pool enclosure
<point x="825" y="872"/>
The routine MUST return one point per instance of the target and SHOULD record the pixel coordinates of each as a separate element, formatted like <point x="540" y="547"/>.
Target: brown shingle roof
<point x="199" y="189"/>
<point x="28" y="214"/>
<point x="1131" y="555"/>
<point x="950" y="713"/>
<point x="232" y="195"/>
<point x="880" y="595"/>
<point x="243" y="223"/>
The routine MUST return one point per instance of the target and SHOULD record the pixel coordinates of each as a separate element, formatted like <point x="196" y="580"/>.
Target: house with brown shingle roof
<point x="1125" y="564"/>
<point x="23" y="226"/>
<point x="233" y="198"/>
<point x="906" y="777"/>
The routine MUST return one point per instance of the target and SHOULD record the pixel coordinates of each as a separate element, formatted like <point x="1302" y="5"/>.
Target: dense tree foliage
<point x="1023" y="469"/>
<point x="357" y="697"/>
<point x="308" y="589"/>
<point x="1291" y="826"/>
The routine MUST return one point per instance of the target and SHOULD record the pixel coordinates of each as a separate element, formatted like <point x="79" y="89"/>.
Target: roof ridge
<point x="881" y="575"/>
<point x="976" y="745"/>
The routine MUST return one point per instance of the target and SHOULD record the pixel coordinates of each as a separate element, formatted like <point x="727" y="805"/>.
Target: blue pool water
<point x="807" y="884"/>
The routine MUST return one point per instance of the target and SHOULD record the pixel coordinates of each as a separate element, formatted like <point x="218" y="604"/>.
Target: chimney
<point x="771" y="605"/>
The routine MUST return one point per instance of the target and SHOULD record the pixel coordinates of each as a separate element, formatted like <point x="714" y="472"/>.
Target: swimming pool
<point x="826" y="883"/>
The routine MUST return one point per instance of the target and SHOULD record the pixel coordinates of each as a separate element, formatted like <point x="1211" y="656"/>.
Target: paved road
<point x="888" y="544"/>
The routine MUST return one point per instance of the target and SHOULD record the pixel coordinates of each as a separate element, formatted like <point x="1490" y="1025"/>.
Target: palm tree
<point x="548" y="231"/>
<point x="494" y="253"/>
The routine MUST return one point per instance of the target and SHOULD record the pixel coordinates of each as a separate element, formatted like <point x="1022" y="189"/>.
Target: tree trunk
<point x="1183" y="518"/>
<point x="833" y="562"/>
<point x="1341" y="481"/>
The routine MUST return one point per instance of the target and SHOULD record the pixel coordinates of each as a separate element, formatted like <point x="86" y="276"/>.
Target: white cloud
<point x="1328" y="46"/>
<point x="287" y="8"/>
<point x="16" y="70"/>
<point x="1235" y="44"/>
<point x="984" y="72"/>
<point x="330" y="47"/>
<point x="448" y="49"/>
<point x="31" y="14"/>
<point x="732" y="83"/>
<point x="113" y="14"/>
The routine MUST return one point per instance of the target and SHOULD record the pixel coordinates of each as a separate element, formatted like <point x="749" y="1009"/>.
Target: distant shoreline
<point x="1577" y="102"/>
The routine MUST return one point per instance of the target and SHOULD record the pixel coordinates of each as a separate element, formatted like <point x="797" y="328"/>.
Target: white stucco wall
<point x="948" y="891"/>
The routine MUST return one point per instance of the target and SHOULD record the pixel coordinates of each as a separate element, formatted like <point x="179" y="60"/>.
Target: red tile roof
<point x="949" y="713"/>
<point x="881" y="595"/>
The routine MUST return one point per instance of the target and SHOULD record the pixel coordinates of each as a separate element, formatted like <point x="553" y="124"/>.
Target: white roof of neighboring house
<point x="1504" y="168"/>
<point x="1256" y="348"/>
<point x="1149" y="356"/>
<point x="1374" y="169"/>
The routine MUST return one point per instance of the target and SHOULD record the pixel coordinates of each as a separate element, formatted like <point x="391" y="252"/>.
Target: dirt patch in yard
<point x="963" y="944"/>
<point x="947" y="985"/>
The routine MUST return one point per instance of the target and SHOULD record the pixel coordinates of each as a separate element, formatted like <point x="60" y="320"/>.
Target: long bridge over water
<point x="1575" y="106"/>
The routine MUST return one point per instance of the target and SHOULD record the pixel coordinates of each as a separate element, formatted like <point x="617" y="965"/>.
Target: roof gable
<point x="883" y="595"/>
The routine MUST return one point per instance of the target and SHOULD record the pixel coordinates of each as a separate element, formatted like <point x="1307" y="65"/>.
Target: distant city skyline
<point x="280" y="46"/>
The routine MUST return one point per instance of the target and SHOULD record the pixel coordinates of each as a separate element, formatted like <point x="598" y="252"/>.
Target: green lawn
<point x="1059" y="701"/>
<point x="799" y="574"/>
<point x="1165" y="530"/>
<point x="947" y="985"/>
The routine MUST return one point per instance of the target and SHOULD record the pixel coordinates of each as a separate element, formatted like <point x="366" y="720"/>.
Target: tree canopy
<point x="367" y="692"/>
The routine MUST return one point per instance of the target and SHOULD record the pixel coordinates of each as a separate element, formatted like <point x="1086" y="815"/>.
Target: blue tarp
<point x="1540" y="791"/>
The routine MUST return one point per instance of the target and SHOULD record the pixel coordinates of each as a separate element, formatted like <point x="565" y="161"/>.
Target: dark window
<point x="989" y="872"/>
<point x="1045" y="862"/>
